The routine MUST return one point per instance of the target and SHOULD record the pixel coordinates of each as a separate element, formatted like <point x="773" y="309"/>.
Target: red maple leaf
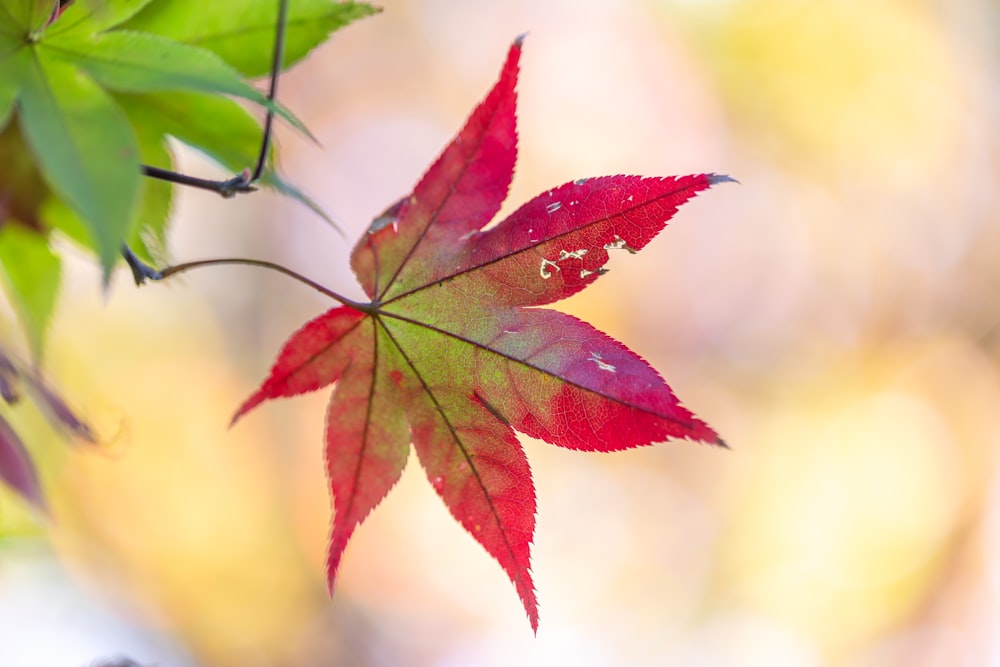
<point x="452" y="355"/>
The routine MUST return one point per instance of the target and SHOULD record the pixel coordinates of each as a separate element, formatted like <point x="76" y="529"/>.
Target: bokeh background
<point x="834" y="317"/>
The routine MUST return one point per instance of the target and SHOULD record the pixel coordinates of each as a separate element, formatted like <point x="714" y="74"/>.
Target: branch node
<point x="141" y="272"/>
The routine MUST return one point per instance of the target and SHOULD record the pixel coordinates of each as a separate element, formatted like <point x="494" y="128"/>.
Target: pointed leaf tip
<point x="17" y="469"/>
<point x="458" y="195"/>
<point x="715" y="179"/>
<point x="58" y="411"/>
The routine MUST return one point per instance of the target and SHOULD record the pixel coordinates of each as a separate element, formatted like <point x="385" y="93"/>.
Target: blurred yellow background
<point x="834" y="317"/>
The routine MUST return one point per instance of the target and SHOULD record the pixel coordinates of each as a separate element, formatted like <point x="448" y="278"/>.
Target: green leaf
<point x="13" y="63"/>
<point x="11" y="36"/>
<point x="275" y="181"/>
<point x="89" y="16"/>
<point x="148" y="238"/>
<point x="58" y="216"/>
<point x="24" y="16"/>
<point x="216" y="126"/>
<point x="139" y="63"/>
<point x="31" y="274"/>
<point x="85" y="148"/>
<point x="195" y="119"/>
<point x="243" y="33"/>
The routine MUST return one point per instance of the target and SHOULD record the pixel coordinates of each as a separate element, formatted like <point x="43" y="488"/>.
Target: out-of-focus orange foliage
<point x="834" y="317"/>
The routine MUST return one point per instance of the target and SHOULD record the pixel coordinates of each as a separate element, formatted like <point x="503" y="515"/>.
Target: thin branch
<point x="272" y="93"/>
<point x="241" y="182"/>
<point x="262" y="264"/>
<point x="245" y="180"/>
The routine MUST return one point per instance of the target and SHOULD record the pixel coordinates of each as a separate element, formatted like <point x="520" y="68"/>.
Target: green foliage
<point x="72" y="125"/>
<point x="234" y="31"/>
<point x="30" y="273"/>
<point x="90" y="95"/>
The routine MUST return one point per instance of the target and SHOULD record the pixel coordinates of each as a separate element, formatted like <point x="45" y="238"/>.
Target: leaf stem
<point x="272" y="90"/>
<point x="262" y="264"/>
<point x="241" y="182"/>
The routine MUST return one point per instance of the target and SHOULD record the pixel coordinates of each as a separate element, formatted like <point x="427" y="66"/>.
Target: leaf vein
<point x="516" y="572"/>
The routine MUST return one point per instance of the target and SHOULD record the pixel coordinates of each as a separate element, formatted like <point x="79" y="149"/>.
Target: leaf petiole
<point x="241" y="182"/>
<point x="142" y="272"/>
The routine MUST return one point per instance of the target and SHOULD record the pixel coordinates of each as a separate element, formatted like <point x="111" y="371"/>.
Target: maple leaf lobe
<point x="460" y="193"/>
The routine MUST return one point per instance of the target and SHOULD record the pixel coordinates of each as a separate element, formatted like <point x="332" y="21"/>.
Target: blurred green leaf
<point x="31" y="273"/>
<point x="216" y="126"/>
<point x="194" y="119"/>
<point x="13" y="62"/>
<point x="139" y="63"/>
<point x="243" y="33"/>
<point x="149" y="236"/>
<point x="272" y="179"/>
<point x="90" y="16"/>
<point x="78" y="168"/>
<point x="136" y="62"/>
<point x="58" y="216"/>
<point x="85" y="148"/>
<point x="21" y="17"/>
